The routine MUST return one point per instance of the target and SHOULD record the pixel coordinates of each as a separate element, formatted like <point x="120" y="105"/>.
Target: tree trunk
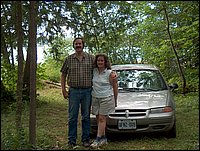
<point x="26" y="79"/>
<point x="4" y="51"/>
<point x="19" y="32"/>
<point x="33" y="66"/>
<point x="177" y="58"/>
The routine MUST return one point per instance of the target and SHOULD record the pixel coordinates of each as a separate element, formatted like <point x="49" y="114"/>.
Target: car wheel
<point x="172" y="132"/>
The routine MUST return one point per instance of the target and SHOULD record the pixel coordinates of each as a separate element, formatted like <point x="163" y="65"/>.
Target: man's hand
<point x="65" y="94"/>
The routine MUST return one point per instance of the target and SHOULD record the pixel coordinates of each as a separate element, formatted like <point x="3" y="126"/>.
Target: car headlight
<point x="161" y="110"/>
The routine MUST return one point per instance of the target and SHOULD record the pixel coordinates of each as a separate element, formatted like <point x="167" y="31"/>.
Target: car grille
<point x="128" y="113"/>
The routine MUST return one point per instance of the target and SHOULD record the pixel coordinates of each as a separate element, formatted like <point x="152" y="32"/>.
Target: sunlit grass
<point x="51" y="126"/>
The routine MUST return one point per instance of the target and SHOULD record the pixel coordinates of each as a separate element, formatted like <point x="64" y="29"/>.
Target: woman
<point x="104" y="95"/>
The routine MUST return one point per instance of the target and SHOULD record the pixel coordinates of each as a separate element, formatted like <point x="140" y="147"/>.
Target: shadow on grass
<point x="125" y="136"/>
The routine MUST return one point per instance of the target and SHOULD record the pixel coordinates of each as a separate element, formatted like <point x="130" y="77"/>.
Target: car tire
<point x="172" y="132"/>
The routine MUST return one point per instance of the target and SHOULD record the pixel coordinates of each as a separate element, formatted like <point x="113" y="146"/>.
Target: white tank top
<point x="101" y="85"/>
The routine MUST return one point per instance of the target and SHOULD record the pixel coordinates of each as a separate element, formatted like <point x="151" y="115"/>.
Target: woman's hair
<point x="106" y="59"/>
<point x="81" y="40"/>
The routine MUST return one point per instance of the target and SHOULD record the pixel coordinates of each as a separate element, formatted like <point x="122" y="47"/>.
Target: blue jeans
<point x="77" y="98"/>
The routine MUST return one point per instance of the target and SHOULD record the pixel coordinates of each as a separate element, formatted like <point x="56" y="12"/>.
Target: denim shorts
<point x="103" y="106"/>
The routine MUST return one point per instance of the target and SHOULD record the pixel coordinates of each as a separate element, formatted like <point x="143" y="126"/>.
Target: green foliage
<point x="59" y="49"/>
<point x="52" y="127"/>
<point x="9" y="77"/>
<point x="11" y="140"/>
<point x="192" y="77"/>
<point x="40" y="73"/>
<point x="52" y="70"/>
<point x="192" y="84"/>
<point x="187" y="103"/>
<point x="155" y="43"/>
<point x="8" y="85"/>
<point x="43" y="141"/>
<point x="126" y="31"/>
<point x="54" y="57"/>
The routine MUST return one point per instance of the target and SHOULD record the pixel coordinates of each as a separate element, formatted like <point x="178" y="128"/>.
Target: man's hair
<point x="81" y="40"/>
<point x="106" y="59"/>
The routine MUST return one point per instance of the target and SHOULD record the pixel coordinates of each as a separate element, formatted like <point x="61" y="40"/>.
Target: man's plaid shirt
<point x="79" y="73"/>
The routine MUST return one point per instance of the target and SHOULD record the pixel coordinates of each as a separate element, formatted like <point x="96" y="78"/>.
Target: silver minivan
<point x="145" y="102"/>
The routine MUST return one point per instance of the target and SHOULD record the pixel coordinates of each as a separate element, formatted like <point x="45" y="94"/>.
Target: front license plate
<point x="127" y="124"/>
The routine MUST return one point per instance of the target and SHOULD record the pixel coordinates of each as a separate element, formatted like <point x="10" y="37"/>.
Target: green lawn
<point x="51" y="126"/>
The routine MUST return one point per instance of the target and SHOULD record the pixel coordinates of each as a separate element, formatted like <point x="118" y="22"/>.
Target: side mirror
<point x="173" y="86"/>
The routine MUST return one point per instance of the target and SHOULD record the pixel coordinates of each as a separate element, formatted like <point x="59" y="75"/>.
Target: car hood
<point x="142" y="100"/>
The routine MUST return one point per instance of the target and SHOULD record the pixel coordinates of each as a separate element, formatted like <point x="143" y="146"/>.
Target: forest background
<point x="163" y="33"/>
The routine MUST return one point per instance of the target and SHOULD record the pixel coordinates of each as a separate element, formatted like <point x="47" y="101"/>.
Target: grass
<point x="51" y="126"/>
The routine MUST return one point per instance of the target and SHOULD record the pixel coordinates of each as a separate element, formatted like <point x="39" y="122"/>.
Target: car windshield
<point x="140" y="80"/>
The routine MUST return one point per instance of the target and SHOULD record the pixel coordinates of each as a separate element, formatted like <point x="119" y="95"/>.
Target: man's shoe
<point x="72" y="146"/>
<point x="86" y="144"/>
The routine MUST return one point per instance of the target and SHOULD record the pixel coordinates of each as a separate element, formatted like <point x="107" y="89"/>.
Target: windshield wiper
<point x="138" y="89"/>
<point x="152" y="89"/>
<point x="129" y="89"/>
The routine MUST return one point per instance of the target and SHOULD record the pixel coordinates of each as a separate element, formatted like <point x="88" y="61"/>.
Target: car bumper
<point x="151" y="123"/>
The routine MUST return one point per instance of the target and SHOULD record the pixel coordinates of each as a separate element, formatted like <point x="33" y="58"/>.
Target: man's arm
<point x="63" y="85"/>
<point x="114" y="83"/>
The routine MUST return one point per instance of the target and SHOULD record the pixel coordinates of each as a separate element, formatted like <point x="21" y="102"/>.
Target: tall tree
<point x="173" y="47"/>
<point x="33" y="66"/>
<point x="20" y="63"/>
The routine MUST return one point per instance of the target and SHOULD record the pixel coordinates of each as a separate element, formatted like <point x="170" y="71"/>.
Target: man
<point x="77" y="68"/>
